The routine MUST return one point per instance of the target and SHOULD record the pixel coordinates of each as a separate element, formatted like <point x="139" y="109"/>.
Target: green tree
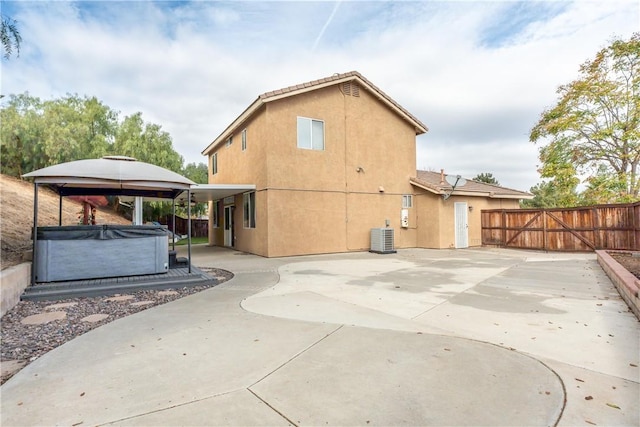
<point x="9" y="36"/>
<point x="21" y="134"/>
<point x="146" y="142"/>
<point x="487" y="178"/>
<point x="603" y="188"/>
<point x="594" y="130"/>
<point x="36" y="134"/>
<point x="552" y="194"/>
<point x="77" y="128"/>
<point x="198" y="173"/>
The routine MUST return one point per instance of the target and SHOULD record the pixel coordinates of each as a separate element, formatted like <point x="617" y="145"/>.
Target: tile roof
<point x="435" y="182"/>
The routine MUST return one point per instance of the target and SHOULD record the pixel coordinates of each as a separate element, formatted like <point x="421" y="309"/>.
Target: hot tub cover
<point x="100" y="232"/>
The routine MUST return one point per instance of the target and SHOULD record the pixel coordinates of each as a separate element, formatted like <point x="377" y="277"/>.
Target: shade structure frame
<point x="106" y="176"/>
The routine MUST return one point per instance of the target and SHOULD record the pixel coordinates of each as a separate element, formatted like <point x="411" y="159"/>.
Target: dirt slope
<point x="16" y="216"/>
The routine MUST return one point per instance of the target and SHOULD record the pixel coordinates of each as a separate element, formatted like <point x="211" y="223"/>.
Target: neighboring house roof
<point x="436" y="183"/>
<point x="336" y="79"/>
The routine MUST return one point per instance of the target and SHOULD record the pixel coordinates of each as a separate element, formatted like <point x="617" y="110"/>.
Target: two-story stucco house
<point x="330" y="160"/>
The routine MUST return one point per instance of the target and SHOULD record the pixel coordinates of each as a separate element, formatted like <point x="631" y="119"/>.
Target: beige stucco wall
<point x="253" y="240"/>
<point x="305" y="222"/>
<point x="428" y="208"/>
<point x="310" y="201"/>
<point x="436" y="218"/>
<point x="237" y="166"/>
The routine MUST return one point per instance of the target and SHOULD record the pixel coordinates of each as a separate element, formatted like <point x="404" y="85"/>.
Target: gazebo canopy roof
<point x="111" y="175"/>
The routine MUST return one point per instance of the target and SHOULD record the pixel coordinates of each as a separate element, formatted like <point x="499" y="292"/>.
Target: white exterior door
<point x="228" y="225"/>
<point x="461" y="225"/>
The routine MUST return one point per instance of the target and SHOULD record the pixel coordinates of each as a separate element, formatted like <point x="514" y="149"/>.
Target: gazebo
<point x="71" y="253"/>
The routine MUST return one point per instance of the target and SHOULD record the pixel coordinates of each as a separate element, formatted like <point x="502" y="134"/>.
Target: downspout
<point x="173" y="226"/>
<point x="346" y="182"/>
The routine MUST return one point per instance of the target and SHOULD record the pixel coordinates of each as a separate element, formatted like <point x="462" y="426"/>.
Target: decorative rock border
<point x="627" y="284"/>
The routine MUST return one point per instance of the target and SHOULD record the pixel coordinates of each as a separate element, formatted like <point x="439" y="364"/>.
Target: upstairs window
<point x="310" y="134"/>
<point x="214" y="163"/>
<point x="407" y="201"/>
<point x="229" y="141"/>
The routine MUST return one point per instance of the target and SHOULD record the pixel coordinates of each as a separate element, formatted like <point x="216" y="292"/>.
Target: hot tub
<point x="99" y="251"/>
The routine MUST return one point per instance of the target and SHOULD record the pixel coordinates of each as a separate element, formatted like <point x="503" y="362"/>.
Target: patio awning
<point x="202" y="193"/>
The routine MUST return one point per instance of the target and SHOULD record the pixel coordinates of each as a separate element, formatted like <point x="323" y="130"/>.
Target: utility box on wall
<point x="404" y="218"/>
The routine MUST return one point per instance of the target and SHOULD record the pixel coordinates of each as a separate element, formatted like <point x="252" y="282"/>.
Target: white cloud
<point x="477" y="73"/>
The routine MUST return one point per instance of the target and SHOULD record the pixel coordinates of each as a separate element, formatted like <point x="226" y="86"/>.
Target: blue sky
<point x="478" y="74"/>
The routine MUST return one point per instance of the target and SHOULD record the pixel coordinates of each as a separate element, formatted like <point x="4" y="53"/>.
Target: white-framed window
<point x="214" y="163"/>
<point x="244" y="139"/>
<point x="249" y="209"/>
<point x="229" y="140"/>
<point x="216" y="210"/>
<point x="407" y="201"/>
<point x="310" y="134"/>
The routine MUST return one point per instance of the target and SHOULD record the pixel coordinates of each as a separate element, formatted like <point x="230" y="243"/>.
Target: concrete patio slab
<point x="239" y="408"/>
<point x="374" y="377"/>
<point x="516" y="338"/>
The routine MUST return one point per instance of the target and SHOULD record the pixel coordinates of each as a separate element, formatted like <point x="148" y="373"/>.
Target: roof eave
<point x="490" y="195"/>
<point x="248" y="112"/>
<point x="419" y="127"/>
<point x="425" y="187"/>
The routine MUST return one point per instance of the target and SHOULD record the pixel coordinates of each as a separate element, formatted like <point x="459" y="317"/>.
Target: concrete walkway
<point x="421" y="337"/>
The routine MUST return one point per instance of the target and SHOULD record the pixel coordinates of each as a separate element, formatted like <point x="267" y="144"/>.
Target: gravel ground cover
<point x="31" y="328"/>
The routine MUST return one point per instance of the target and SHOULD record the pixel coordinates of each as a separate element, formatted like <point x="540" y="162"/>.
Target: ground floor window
<point x="249" y="211"/>
<point x="216" y="210"/>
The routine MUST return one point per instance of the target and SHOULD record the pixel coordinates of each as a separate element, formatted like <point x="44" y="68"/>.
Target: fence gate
<point x="564" y="229"/>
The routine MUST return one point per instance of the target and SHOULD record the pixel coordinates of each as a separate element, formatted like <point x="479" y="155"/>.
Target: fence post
<point x="597" y="239"/>
<point x="545" y="233"/>
<point x="504" y="228"/>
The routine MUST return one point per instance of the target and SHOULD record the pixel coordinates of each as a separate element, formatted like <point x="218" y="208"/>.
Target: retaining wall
<point x="13" y="281"/>
<point x="627" y="284"/>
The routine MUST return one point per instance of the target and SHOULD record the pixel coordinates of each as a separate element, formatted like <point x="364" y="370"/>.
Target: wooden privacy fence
<point x="564" y="229"/>
<point x="199" y="227"/>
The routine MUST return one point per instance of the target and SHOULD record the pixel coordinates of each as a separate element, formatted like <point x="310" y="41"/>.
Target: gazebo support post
<point x="189" y="226"/>
<point x="34" y="237"/>
<point x="173" y="226"/>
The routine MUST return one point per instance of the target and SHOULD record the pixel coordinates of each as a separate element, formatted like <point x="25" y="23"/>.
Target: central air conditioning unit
<point x="382" y="241"/>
